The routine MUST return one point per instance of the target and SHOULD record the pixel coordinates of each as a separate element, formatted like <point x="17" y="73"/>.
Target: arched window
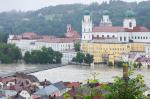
<point x="113" y="36"/>
<point x="135" y="37"/>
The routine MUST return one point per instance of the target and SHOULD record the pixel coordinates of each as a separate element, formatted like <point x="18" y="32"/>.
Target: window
<point x="113" y="36"/>
<point x="97" y="36"/>
<point x="107" y="36"/>
<point x="143" y="37"/>
<point x="125" y="38"/>
<point x="130" y="24"/>
<point x="135" y="37"/>
<point x="138" y="37"/>
<point x="102" y="36"/>
<point x="120" y="38"/>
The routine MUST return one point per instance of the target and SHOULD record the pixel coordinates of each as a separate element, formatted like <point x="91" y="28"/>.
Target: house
<point x="62" y="88"/>
<point x="49" y="91"/>
<point x="22" y="95"/>
<point x="5" y="94"/>
<point x="72" y="84"/>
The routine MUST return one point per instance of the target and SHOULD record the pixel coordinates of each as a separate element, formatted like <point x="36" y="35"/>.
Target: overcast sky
<point x="26" y="5"/>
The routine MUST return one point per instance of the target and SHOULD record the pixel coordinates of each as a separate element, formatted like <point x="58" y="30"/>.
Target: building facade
<point x="108" y="42"/>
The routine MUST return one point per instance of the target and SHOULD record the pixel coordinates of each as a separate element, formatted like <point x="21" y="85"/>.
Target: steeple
<point x="105" y="21"/>
<point x="87" y="22"/>
<point x="129" y="21"/>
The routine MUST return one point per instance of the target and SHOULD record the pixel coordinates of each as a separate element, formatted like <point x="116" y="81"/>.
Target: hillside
<point x="53" y="19"/>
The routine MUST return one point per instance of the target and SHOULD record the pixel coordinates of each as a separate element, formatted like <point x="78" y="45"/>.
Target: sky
<point x="26" y="5"/>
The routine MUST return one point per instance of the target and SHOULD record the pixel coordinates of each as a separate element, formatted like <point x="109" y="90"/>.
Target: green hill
<point x="53" y="19"/>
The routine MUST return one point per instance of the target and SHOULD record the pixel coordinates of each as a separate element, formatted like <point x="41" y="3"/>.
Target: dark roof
<point x="47" y="91"/>
<point x="60" y="85"/>
<point x="29" y="77"/>
<point x="18" y="97"/>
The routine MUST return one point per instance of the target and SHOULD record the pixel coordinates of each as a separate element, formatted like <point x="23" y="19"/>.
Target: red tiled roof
<point x="73" y="84"/>
<point x="119" y="29"/>
<point x="138" y="29"/>
<point x="57" y="40"/>
<point x="108" y="29"/>
<point x="73" y="34"/>
<point x="30" y="35"/>
<point x="48" y="37"/>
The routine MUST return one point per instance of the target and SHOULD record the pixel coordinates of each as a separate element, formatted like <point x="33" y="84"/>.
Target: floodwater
<point x="83" y="73"/>
<point x="72" y="72"/>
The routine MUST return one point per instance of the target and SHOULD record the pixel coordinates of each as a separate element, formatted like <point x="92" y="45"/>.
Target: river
<point x="83" y="73"/>
<point x="72" y="72"/>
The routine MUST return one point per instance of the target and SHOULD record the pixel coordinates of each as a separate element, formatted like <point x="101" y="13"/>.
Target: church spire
<point x="129" y="21"/>
<point x="105" y="21"/>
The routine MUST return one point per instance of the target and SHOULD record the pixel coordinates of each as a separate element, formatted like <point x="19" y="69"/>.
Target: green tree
<point x="57" y="57"/>
<point x="80" y="57"/>
<point x="9" y="53"/>
<point x="77" y="46"/>
<point x="88" y="59"/>
<point x="122" y="89"/>
<point x="27" y="57"/>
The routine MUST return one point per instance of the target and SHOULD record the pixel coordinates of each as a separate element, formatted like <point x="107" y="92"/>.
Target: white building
<point x="68" y="56"/>
<point x="129" y="32"/>
<point x="31" y="41"/>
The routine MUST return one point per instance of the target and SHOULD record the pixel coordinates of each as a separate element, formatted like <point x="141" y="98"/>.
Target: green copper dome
<point x="105" y="12"/>
<point x="130" y="14"/>
<point x="86" y="12"/>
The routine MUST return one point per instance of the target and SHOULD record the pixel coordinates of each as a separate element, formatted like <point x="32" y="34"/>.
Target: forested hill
<point x="53" y="19"/>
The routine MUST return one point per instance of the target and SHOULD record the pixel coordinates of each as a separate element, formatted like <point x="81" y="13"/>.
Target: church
<point x="129" y="32"/>
<point x="110" y="43"/>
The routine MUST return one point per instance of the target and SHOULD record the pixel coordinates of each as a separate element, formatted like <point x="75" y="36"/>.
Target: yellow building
<point x="110" y="51"/>
<point x="105" y="51"/>
<point x="137" y="47"/>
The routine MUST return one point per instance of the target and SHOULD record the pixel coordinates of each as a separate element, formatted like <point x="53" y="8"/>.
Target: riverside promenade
<point x="28" y="70"/>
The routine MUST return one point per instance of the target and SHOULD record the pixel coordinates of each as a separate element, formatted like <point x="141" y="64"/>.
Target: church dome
<point x="130" y="14"/>
<point x="86" y="12"/>
<point x="106" y="12"/>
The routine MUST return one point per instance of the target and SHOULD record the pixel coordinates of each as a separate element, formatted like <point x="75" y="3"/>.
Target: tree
<point x="9" y="53"/>
<point x="110" y="64"/>
<point x="43" y="56"/>
<point x="57" y="57"/>
<point x="88" y="59"/>
<point x="27" y="57"/>
<point x="122" y="89"/>
<point x="80" y="57"/>
<point x="77" y="46"/>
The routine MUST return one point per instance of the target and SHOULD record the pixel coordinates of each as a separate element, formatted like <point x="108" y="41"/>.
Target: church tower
<point x="87" y="23"/>
<point x="129" y="21"/>
<point x="105" y="21"/>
